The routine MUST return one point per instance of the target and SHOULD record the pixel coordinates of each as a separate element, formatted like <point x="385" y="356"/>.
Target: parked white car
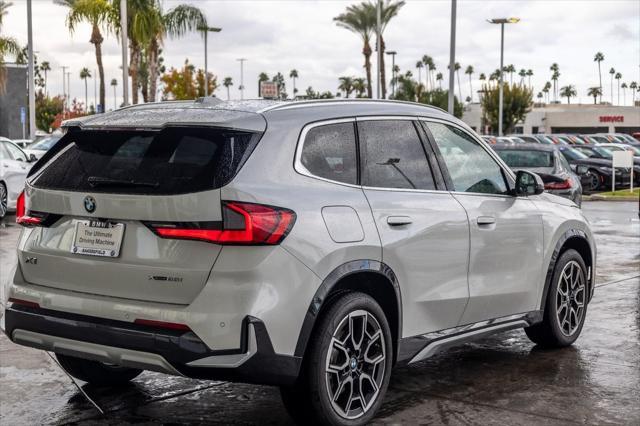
<point x="38" y="149"/>
<point x="14" y="166"/>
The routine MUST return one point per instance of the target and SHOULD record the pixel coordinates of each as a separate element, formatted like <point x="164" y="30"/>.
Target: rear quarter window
<point x="329" y="152"/>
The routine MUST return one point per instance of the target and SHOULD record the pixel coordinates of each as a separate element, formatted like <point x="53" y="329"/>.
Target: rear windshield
<point x="175" y="160"/>
<point x="521" y="158"/>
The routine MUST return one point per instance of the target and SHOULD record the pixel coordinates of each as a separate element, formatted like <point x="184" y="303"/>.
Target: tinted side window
<point x="329" y="152"/>
<point x="392" y="155"/>
<point x="471" y="168"/>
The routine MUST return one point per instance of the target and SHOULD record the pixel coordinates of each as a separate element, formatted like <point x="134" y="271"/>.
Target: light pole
<point x="32" y="90"/>
<point x="452" y="59"/>
<point x="125" y="47"/>
<point x="379" y="45"/>
<point x="241" y="60"/>
<point x="501" y="21"/>
<point x="205" y="31"/>
<point x="393" y="54"/>
<point x="64" y="89"/>
<point x="69" y="87"/>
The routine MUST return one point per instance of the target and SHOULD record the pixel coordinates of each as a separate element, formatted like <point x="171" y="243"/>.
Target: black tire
<point x="549" y="333"/>
<point x="595" y="180"/>
<point x="3" y="200"/>
<point x="97" y="373"/>
<point x="309" y="401"/>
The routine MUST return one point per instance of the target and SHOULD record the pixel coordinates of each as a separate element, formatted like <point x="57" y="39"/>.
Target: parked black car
<point x="548" y="163"/>
<point x="595" y="151"/>
<point x="598" y="170"/>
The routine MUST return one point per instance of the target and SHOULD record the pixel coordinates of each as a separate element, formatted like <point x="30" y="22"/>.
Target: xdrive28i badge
<point x="89" y="204"/>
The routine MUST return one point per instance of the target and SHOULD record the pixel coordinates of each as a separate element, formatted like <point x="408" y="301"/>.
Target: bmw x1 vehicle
<point x="307" y="245"/>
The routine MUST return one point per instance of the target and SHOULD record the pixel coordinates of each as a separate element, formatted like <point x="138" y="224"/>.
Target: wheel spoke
<point x="357" y="330"/>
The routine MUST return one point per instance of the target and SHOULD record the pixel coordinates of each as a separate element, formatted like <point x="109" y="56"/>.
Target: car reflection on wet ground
<point x="504" y="379"/>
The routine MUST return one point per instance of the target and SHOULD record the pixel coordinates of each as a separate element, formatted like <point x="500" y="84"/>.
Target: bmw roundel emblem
<point x="89" y="204"/>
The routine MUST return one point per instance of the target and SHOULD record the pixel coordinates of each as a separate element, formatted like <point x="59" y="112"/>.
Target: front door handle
<point x="486" y="220"/>
<point x="399" y="220"/>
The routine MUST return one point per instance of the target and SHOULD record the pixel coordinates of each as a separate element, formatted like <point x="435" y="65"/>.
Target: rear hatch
<point x="100" y="195"/>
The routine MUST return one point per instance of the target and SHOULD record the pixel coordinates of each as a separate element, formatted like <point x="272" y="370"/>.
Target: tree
<point x="427" y="61"/>
<point x="510" y="69"/>
<point x="530" y="74"/>
<point x="469" y="71"/>
<point x="8" y="46"/>
<point x="539" y="96"/>
<point x="599" y="57"/>
<point x="227" y="82"/>
<point x="456" y="68"/>
<point x="357" y="20"/>
<point x="439" y="78"/>
<point x="545" y="90"/>
<point x="293" y="74"/>
<point x="45" y="67"/>
<point x="311" y="94"/>
<point x="186" y="83"/>
<point x="517" y="103"/>
<point x="101" y="16"/>
<point x="411" y="90"/>
<point x="595" y="92"/>
<point x="46" y="110"/>
<point x="612" y="72"/>
<point x="522" y="73"/>
<point x="346" y="85"/>
<point x="633" y="86"/>
<point x="555" y="74"/>
<point x="279" y="80"/>
<point x="482" y="77"/>
<point x="114" y="84"/>
<point x="624" y="93"/>
<point x="359" y="86"/>
<point x="618" y="76"/>
<point x="568" y="92"/>
<point x="419" y="66"/>
<point x="84" y="75"/>
<point x="388" y="10"/>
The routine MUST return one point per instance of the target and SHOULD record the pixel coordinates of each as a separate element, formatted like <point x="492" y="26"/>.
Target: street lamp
<point x="205" y="30"/>
<point x="393" y="54"/>
<point x="241" y="60"/>
<point x="501" y="21"/>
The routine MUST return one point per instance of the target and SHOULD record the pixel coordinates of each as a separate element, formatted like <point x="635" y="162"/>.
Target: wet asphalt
<point x="504" y="379"/>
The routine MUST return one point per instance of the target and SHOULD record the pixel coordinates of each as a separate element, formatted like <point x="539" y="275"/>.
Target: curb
<point x="606" y="198"/>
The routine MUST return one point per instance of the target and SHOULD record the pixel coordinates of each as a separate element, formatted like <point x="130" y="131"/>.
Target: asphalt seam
<point x="616" y="281"/>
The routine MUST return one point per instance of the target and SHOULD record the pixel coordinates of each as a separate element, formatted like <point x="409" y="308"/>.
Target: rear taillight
<point x="22" y="217"/>
<point x="242" y="224"/>
<point x="22" y="302"/>
<point x="566" y="184"/>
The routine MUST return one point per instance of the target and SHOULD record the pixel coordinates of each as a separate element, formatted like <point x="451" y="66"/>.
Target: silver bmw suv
<point x="308" y="245"/>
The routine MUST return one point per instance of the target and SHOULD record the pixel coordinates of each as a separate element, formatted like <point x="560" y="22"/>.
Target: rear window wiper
<point x="95" y="181"/>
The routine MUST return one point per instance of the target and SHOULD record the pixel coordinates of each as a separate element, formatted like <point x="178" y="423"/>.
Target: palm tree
<point x="114" y="83"/>
<point x="599" y="57"/>
<point x="432" y="70"/>
<point x="618" y="76"/>
<point x="388" y="10"/>
<point x="419" y="66"/>
<point x="612" y="72"/>
<point x="456" y="68"/>
<point x="427" y="61"/>
<point x="568" y="92"/>
<point x="540" y="96"/>
<point x="482" y="77"/>
<point x="228" y="82"/>
<point x="633" y="86"/>
<point x="624" y="93"/>
<point x="522" y="73"/>
<point x="293" y="74"/>
<point x="469" y="71"/>
<point x="357" y="20"/>
<point x="8" y="45"/>
<point x="530" y="74"/>
<point x="595" y="92"/>
<point x="45" y="67"/>
<point x="100" y="15"/>
<point x="510" y="69"/>
<point x="84" y="75"/>
<point x="439" y="78"/>
<point x="554" y="68"/>
<point x="359" y="86"/>
<point x="545" y="89"/>
<point x="346" y="85"/>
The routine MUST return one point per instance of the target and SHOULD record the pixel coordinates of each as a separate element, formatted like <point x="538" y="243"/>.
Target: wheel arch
<point x="367" y="276"/>
<point x="577" y="240"/>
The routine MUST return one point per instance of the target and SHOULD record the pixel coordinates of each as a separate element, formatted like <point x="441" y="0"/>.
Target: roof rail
<point x="313" y="102"/>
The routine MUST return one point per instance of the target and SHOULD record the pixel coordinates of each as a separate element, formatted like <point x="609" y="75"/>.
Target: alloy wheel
<point x="570" y="298"/>
<point x="355" y="364"/>
<point x="3" y="200"/>
<point x="594" y="181"/>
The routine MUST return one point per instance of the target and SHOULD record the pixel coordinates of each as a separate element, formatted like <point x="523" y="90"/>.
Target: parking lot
<point x="501" y="380"/>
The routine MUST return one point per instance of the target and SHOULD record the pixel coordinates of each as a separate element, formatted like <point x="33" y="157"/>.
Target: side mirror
<point x="32" y="158"/>
<point x="528" y="183"/>
<point x="581" y="170"/>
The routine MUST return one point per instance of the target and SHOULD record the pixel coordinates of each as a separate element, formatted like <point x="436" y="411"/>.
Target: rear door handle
<point x="486" y="220"/>
<point x="399" y="220"/>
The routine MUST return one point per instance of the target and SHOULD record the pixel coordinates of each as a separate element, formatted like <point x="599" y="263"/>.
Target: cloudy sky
<point x="282" y="35"/>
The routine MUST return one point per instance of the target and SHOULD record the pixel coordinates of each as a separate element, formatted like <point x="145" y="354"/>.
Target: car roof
<point x="247" y="114"/>
<point x="527" y="147"/>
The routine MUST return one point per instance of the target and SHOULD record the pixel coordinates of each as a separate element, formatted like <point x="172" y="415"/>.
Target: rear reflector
<point x="23" y="303"/>
<point x="558" y="185"/>
<point x="243" y="224"/>
<point x="162" y="324"/>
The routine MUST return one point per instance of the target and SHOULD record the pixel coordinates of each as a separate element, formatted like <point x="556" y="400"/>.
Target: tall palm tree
<point x="359" y="86"/>
<point x="545" y="89"/>
<point x="84" y="75"/>
<point x="522" y="73"/>
<point x="469" y="71"/>
<point x="45" y="67"/>
<point x="510" y="69"/>
<point x="114" y="83"/>
<point x="346" y="85"/>
<point x="624" y="93"/>
<point x="599" y="57"/>
<point x="419" y="66"/>
<point x="540" y="96"/>
<point x="101" y="16"/>
<point x="633" y="86"/>
<point x="388" y="10"/>
<point x="293" y="75"/>
<point x="8" y="45"/>
<point x="228" y="82"/>
<point x="618" y="76"/>
<point x="568" y="92"/>
<point x="427" y="61"/>
<point x="432" y="70"/>
<point x="612" y="72"/>
<point x="554" y="68"/>
<point x="530" y="74"/>
<point x="595" y="92"/>
<point x="439" y="78"/>
<point x="357" y="20"/>
<point x="482" y="77"/>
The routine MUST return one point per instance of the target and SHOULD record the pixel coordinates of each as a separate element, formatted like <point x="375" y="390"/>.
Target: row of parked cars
<point x="16" y="159"/>
<point x="569" y="163"/>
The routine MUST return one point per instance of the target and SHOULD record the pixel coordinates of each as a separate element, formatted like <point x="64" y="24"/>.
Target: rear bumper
<point x="140" y="346"/>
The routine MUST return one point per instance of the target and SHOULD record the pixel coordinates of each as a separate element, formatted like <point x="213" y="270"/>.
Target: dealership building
<point x="564" y="118"/>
